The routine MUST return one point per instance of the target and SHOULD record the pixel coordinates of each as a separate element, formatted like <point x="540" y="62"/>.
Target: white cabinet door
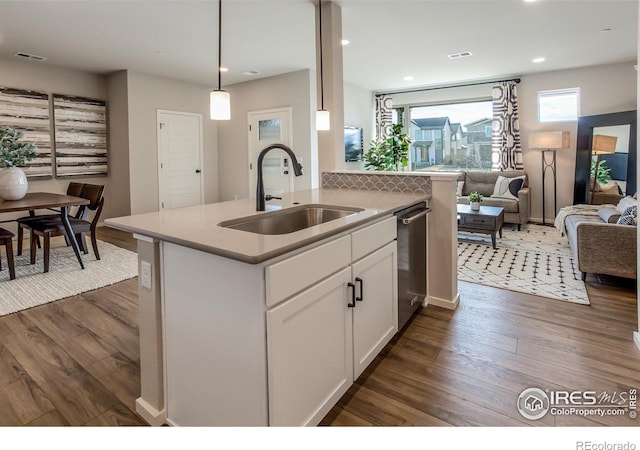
<point x="309" y="346"/>
<point x="375" y="316"/>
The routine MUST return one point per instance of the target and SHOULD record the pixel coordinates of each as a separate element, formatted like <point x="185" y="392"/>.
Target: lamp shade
<point x="552" y="140"/>
<point x="220" y="103"/>
<point x="603" y="144"/>
<point x="323" y="120"/>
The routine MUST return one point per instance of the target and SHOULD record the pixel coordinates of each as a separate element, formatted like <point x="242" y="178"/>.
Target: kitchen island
<point x="241" y="328"/>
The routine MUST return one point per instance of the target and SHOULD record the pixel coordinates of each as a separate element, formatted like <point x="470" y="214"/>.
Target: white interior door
<point x="266" y="128"/>
<point x="179" y="159"/>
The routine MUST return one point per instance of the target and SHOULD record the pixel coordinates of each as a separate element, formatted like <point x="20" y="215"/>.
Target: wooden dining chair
<point x="50" y="226"/>
<point x="74" y="189"/>
<point x="6" y="239"/>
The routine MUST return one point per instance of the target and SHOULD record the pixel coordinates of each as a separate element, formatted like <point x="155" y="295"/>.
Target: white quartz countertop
<point x="197" y="227"/>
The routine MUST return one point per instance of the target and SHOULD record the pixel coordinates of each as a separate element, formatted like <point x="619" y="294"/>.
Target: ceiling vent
<point x="29" y="56"/>
<point x="250" y="73"/>
<point x="459" y="55"/>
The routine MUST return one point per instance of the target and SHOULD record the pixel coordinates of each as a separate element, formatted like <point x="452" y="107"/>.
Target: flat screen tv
<point x="353" y="145"/>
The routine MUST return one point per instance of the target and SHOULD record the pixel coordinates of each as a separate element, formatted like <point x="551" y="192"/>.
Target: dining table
<point x="34" y="201"/>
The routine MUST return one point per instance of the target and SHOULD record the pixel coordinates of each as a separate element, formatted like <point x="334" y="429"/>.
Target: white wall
<point x="147" y="94"/>
<point x="44" y="77"/>
<point x="291" y="89"/>
<point x="359" y="111"/>
<point x="603" y="89"/>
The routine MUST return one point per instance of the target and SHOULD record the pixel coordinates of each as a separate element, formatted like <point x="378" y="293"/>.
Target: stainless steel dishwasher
<point x="412" y="260"/>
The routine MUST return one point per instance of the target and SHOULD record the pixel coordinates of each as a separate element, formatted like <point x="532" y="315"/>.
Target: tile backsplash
<point x="377" y="181"/>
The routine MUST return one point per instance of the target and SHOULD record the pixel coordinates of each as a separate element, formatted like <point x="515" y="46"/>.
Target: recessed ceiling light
<point x="408" y="78"/>
<point x="345" y="42"/>
<point x="459" y="55"/>
<point x="538" y="60"/>
<point x="223" y="69"/>
<point x="530" y="1"/>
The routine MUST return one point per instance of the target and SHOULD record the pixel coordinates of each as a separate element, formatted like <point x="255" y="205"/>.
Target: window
<point x="454" y="136"/>
<point x="558" y="106"/>
<point x="488" y="130"/>
<point x="418" y="135"/>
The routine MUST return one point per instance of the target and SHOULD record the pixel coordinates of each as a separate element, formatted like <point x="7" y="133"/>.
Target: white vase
<point x="13" y="183"/>
<point x="475" y="206"/>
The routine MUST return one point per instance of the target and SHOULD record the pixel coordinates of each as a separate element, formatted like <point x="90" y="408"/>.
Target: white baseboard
<point x="443" y="303"/>
<point x="636" y="339"/>
<point x="150" y="415"/>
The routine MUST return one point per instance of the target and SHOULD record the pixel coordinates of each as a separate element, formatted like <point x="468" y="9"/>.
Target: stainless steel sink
<point x="290" y="219"/>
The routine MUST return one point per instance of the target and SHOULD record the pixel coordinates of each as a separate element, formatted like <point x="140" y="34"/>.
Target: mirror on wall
<point x="617" y="169"/>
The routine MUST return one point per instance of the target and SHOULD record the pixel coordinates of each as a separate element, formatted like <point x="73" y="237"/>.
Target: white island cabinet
<point x="276" y="343"/>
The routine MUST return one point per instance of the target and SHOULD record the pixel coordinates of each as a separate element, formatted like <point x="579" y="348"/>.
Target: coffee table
<point x="487" y="220"/>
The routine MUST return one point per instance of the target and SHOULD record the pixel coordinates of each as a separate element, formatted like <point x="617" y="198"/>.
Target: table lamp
<point x="601" y="145"/>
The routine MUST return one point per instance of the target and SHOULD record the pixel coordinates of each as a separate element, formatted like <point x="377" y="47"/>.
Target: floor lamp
<point x="601" y="145"/>
<point x="549" y="142"/>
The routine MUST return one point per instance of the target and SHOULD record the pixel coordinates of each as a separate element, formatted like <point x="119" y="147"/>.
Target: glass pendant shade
<point x="220" y="105"/>
<point x="323" y="121"/>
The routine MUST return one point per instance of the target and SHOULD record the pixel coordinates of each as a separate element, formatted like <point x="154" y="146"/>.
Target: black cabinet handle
<point x="359" y="280"/>
<point x="198" y="170"/>
<point x="353" y="295"/>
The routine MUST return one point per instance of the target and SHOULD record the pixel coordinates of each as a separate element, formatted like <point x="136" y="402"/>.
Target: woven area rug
<point x="65" y="278"/>
<point x="535" y="260"/>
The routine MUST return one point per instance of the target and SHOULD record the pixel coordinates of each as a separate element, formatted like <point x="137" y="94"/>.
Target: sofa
<point x="516" y="202"/>
<point x="600" y="244"/>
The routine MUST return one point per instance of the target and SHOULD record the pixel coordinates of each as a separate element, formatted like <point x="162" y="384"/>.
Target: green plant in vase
<point x="604" y="172"/>
<point x="390" y="154"/>
<point x="14" y="154"/>
<point x="474" y="200"/>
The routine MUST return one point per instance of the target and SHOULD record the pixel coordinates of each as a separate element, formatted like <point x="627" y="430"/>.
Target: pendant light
<point x="220" y="101"/>
<point x="323" y="121"/>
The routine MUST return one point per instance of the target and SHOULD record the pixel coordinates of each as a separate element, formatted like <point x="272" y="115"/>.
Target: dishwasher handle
<point x="408" y="220"/>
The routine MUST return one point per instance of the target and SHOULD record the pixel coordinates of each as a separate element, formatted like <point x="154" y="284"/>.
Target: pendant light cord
<point x="321" y="68"/>
<point x="219" y="43"/>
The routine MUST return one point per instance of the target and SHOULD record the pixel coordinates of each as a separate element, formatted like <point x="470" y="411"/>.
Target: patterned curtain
<point x="505" y="138"/>
<point x="384" y="104"/>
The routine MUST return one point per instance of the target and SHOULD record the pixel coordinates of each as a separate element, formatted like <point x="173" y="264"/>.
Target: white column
<point x="151" y="404"/>
<point x="331" y="142"/>
<point x="442" y="243"/>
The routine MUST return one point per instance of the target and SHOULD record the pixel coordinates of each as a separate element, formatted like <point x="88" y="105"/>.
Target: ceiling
<point x="390" y="39"/>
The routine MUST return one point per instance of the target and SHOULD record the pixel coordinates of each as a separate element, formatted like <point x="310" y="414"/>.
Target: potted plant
<point x="474" y="200"/>
<point x="390" y="154"/>
<point x="14" y="154"/>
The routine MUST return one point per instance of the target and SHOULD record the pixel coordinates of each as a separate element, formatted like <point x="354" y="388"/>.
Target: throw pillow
<point x="609" y="214"/>
<point x="508" y="187"/>
<point x="459" y="188"/>
<point x="629" y="216"/>
<point x="608" y="188"/>
<point x="626" y="202"/>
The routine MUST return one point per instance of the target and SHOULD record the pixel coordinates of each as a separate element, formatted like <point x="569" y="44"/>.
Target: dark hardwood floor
<point x="76" y="361"/>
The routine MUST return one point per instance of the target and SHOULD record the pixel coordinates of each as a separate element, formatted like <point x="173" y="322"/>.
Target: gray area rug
<point x="65" y="278"/>
<point x="535" y="260"/>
